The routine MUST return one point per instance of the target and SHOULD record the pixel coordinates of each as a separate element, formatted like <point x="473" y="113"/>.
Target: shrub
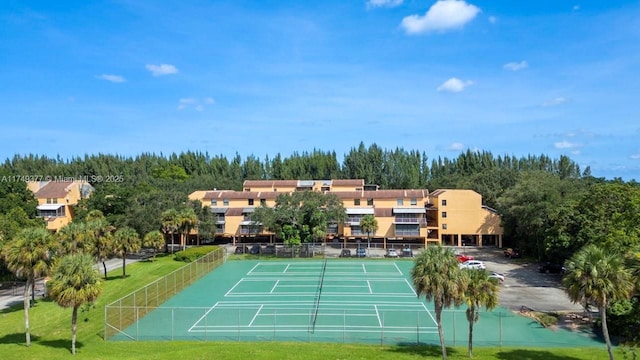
<point x="192" y="254"/>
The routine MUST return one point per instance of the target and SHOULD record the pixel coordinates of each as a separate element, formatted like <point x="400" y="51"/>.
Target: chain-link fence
<point x="122" y="313"/>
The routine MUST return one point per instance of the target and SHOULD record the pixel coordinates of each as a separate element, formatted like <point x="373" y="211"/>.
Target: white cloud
<point x="112" y="78"/>
<point x="456" y="146"/>
<point x="566" y="145"/>
<point x="576" y="7"/>
<point x="493" y="19"/>
<point x="454" y="85"/>
<point x="162" y="69"/>
<point x="635" y="156"/>
<point x="441" y="16"/>
<point x="555" y="101"/>
<point x="383" y="3"/>
<point x="196" y="104"/>
<point x="515" y="66"/>
<point x="209" y="101"/>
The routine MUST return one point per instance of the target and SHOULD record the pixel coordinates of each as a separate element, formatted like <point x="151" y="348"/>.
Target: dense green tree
<point x="187" y="220"/>
<point x="170" y="224"/>
<point x="101" y="238"/>
<point x="153" y="240"/>
<point x="598" y="276"/>
<point x="481" y="291"/>
<point x="29" y="256"/>
<point x="437" y="277"/>
<point x="75" y="282"/>
<point x="369" y="225"/>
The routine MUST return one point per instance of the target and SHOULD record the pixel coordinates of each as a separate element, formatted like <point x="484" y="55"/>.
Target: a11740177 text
<point x="58" y="178"/>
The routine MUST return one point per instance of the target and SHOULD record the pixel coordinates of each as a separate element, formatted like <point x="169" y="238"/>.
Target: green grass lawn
<point x="51" y="335"/>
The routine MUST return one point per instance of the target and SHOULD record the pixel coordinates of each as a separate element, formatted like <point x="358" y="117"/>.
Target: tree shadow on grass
<point x="17" y="338"/>
<point x="422" y="350"/>
<point x="528" y="354"/>
<point x="61" y="344"/>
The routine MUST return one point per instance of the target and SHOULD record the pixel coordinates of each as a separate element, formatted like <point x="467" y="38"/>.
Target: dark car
<point x="512" y="253"/>
<point x="552" y="268"/>
<point x="361" y="252"/>
<point x="241" y="250"/>
<point x="345" y="253"/>
<point x="407" y="252"/>
<point x="269" y="250"/>
<point x="255" y="250"/>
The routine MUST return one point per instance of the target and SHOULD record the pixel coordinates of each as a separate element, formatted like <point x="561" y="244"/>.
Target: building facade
<point x="404" y="216"/>
<point x="57" y="200"/>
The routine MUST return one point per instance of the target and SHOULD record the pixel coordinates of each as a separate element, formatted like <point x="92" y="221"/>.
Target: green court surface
<point x="331" y="301"/>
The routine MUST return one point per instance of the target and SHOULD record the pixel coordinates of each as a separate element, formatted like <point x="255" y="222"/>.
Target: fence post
<point x="137" y="324"/>
<point x="238" y="324"/>
<point x="172" y="324"/>
<point x="382" y="330"/>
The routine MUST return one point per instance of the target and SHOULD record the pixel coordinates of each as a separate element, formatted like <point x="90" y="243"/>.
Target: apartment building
<point x="57" y="199"/>
<point x="404" y="216"/>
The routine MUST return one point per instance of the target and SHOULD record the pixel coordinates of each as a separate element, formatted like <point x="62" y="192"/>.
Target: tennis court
<point x="369" y="301"/>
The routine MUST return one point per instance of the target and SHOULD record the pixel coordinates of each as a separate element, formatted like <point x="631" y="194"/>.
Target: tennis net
<point x="318" y="294"/>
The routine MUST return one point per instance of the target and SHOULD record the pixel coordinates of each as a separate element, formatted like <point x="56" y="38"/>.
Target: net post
<point x="382" y="330"/>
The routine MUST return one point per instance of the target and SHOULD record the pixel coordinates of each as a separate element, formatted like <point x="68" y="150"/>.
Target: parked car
<point x="269" y="250"/>
<point x="345" y="253"/>
<point x="255" y="250"/>
<point x="241" y="250"/>
<point x="499" y="277"/>
<point x="361" y="252"/>
<point x="552" y="268"/>
<point x="391" y="253"/>
<point x="407" y="252"/>
<point x="512" y="253"/>
<point x="473" y="264"/>
<point x="462" y="258"/>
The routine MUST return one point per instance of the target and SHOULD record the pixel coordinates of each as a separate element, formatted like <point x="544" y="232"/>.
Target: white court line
<point x="286" y="268"/>
<point x="364" y="269"/>
<point x="274" y="287"/>
<point x="429" y="312"/>
<point x="234" y="286"/>
<point x="411" y="287"/>
<point x="396" y="265"/>
<point x="378" y="315"/>
<point x="256" y="315"/>
<point x="202" y="317"/>
<point x="253" y="268"/>
<point x="328" y="294"/>
<point x="369" y="285"/>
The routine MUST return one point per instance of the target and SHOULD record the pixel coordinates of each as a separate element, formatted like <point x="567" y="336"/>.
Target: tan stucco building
<point x="57" y="199"/>
<point x="405" y="216"/>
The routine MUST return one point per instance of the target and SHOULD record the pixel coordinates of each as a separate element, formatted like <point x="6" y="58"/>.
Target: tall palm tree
<point x="480" y="291"/>
<point x="75" y="281"/>
<point x="126" y="241"/>
<point x="73" y="238"/>
<point x="30" y="255"/>
<point x="187" y="220"/>
<point x="598" y="276"/>
<point x="100" y="234"/>
<point x="437" y="277"/>
<point x="169" y="219"/>
<point x="369" y="225"/>
<point x="154" y="240"/>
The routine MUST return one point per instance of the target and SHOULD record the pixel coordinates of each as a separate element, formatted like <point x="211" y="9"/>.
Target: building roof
<point x="348" y="182"/>
<point x="54" y="190"/>
<point x="235" y="195"/>
<point x="269" y="183"/>
<point x="382" y="194"/>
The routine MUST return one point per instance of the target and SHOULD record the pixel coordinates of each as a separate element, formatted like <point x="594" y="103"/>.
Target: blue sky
<point x="259" y="78"/>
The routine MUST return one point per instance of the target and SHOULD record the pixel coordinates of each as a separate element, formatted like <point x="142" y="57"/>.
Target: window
<point x="225" y="202"/>
<point x="400" y="202"/>
<point x="444" y="226"/>
<point x="263" y="202"/>
<point x="219" y="228"/>
<point x="355" y="230"/>
<point x="356" y="202"/>
<point x="444" y="202"/>
<point x="444" y="214"/>
<point x="414" y="201"/>
<point x="214" y="202"/>
<point x="247" y="189"/>
<point x="52" y="201"/>
<point x="250" y="202"/>
<point x="370" y="202"/>
<point x="407" y="230"/>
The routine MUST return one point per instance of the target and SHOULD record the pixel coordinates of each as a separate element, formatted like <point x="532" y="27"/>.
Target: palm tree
<point x="126" y="241"/>
<point x="598" y="276"/>
<point x="437" y="277"/>
<point x="75" y="282"/>
<point x="73" y="238"/>
<point x="480" y="291"/>
<point x="101" y="238"/>
<point x="169" y="219"/>
<point x="154" y="240"/>
<point x="369" y="225"/>
<point x="187" y="220"/>
<point x="30" y="255"/>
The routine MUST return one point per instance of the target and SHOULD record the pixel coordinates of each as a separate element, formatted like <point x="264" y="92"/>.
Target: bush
<point x="192" y="254"/>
